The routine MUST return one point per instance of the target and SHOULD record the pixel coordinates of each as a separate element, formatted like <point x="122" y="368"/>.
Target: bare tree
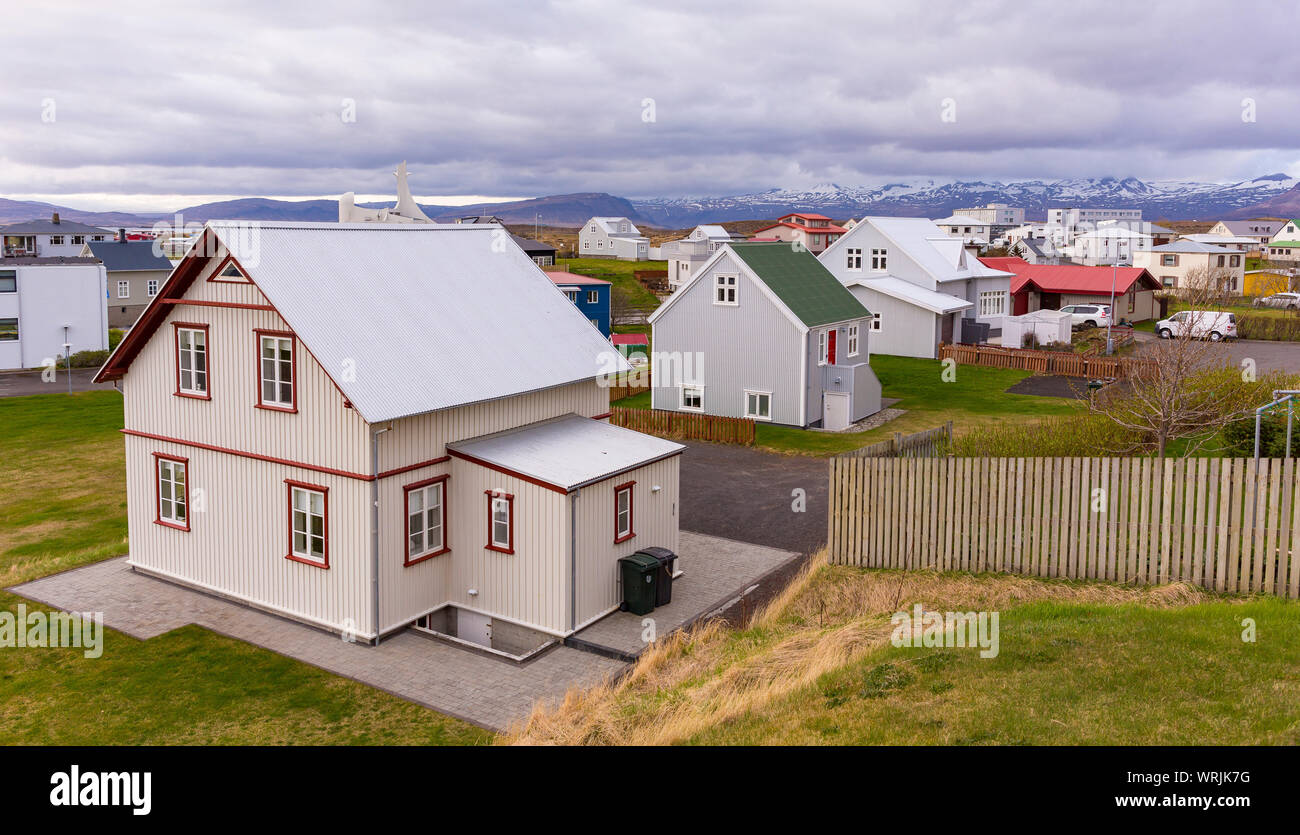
<point x="1186" y="388"/>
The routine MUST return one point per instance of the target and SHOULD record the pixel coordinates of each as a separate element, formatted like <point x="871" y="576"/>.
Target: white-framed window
<point x="595" y="323"/>
<point x="758" y="405"/>
<point x="623" y="512"/>
<point x="56" y="240"/>
<point x="173" y="491"/>
<point x="97" y="238"/>
<point x="152" y="287"/>
<point x="501" y="522"/>
<point x="78" y="239"/>
<point x="880" y="260"/>
<point x="308" y="520"/>
<point x="853" y="258"/>
<point x="593" y="296"/>
<point x="276" y="367"/>
<point x="993" y="303"/>
<point x="725" y="289"/>
<point x="852" y="340"/>
<point x="192" y="360"/>
<point x="600" y="244"/>
<point x="572" y="295"/>
<point x="586" y="244"/>
<point x="124" y="289"/>
<point x="8" y="281"/>
<point x="875" y="322"/>
<point x="823" y="339"/>
<point x="693" y="398"/>
<point x="426" y="519"/>
<point x="9" y="329"/>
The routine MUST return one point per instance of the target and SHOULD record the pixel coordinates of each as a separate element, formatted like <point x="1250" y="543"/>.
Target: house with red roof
<point x="815" y="232"/>
<point x="1054" y="286"/>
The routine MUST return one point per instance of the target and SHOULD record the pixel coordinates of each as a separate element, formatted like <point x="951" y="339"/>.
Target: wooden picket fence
<point x="1224" y="524"/>
<point x="685" y="426"/>
<point x="926" y="444"/>
<point x="1046" y="362"/>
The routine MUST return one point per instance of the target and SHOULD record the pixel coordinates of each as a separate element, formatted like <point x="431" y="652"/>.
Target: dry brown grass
<point x="828" y="617"/>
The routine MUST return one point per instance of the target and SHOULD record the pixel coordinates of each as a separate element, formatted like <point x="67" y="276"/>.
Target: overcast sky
<point x="156" y="106"/>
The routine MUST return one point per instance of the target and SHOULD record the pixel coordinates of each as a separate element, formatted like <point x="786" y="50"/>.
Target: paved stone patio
<point x="487" y="691"/>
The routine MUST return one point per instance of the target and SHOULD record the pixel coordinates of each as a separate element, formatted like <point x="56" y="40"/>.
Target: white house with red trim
<point x="434" y="451"/>
<point x="810" y="230"/>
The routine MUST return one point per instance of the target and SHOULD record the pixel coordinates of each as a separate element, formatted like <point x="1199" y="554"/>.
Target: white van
<point x="1213" y="325"/>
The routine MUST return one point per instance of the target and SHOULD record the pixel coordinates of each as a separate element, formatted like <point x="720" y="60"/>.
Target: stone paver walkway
<point x="487" y="691"/>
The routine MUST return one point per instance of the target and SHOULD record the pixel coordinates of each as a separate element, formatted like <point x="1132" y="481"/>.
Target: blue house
<point x="591" y="295"/>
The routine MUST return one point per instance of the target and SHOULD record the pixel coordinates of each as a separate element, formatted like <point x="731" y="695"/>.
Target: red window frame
<point x="290" y="484"/>
<point x="177" y="327"/>
<point x="510" y="518"/>
<point x="258" y="334"/>
<point x="158" y="457"/>
<point x="406" y="520"/>
<point x="631" y="512"/>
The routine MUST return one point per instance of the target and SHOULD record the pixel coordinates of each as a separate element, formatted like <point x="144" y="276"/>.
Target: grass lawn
<point x="976" y="397"/>
<point x="1077" y="663"/>
<point x="620" y="274"/>
<point x="62" y="504"/>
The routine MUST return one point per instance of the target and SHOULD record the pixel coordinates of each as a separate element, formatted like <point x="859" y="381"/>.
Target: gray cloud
<point x="532" y="98"/>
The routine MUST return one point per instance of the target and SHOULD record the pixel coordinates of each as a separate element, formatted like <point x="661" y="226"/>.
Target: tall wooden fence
<point x="1219" y="523"/>
<point x="926" y="444"/>
<point x="685" y="426"/>
<point x="1047" y="362"/>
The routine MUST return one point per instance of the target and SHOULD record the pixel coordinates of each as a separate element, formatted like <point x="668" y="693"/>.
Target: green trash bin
<point x="640" y="583"/>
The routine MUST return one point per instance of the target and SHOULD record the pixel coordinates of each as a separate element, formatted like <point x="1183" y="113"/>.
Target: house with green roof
<point x="764" y="331"/>
<point x="1285" y="244"/>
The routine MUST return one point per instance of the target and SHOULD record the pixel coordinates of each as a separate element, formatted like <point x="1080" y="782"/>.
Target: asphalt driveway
<point x="1267" y="354"/>
<point x="19" y="383"/>
<point x="747" y="495"/>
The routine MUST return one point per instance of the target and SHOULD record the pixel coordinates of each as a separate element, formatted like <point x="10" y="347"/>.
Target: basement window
<point x="693" y="398"/>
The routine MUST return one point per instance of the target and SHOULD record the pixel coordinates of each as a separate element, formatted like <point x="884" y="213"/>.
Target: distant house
<point x="999" y="217"/>
<point x="1109" y="244"/>
<point x="543" y="254"/>
<point x="631" y="344"/>
<point x="812" y="231"/>
<point x="1269" y="281"/>
<point x="591" y="295"/>
<point x="970" y="230"/>
<point x="135" y="275"/>
<point x="764" y="331"/>
<point x="1176" y="265"/>
<point x="1033" y="250"/>
<point x="685" y="255"/>
<point x="922" y="287"/>
<point x="1239" y="243"/>
<point x="1054" y="286"/>
<point x="1259" y="230"/>
<point x="47" y="302"/>
<point x="613" y="237"/>
<point x="53" y="238"/>
<point x="1285" y="243"/>
<point x="432" y="453"/>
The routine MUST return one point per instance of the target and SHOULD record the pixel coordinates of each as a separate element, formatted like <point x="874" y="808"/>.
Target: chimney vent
<point x="55" y="219"/>
<point x="121" y="235"/>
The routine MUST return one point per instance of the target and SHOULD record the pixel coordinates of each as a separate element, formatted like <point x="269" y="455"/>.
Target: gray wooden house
<point x="764" y="331"/>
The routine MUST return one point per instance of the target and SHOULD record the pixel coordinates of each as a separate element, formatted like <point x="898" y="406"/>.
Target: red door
<point x="830" y="347"/>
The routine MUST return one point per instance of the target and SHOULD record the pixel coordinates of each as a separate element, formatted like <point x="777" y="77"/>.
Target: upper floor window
<point x="572" y="295"/>
<point x="593" y="296"/>
<point x="56" y="240"/>
<point x="152" y="287"/>
<point x="1234" y="260"/>
<point x="276" y="388"/>
<point x="124" y="289"/>
<point x="853" y="259"/>
<point x="1169" y="260"/>
<point x="308" y="524"/>
<point x="426" y="519"/>
<point x="501" y="522"/>
<point x="8" y="281"/>
<point x="78" y="239"/>
<point x="879" y="260"/>
<point x="852" y="347"/>
<point x="192" y="360"/>
<point x="875" y="322"/>
<point x="725" y="292"/>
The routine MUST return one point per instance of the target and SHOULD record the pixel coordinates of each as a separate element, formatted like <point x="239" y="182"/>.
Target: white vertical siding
<point x="654" y="522"/>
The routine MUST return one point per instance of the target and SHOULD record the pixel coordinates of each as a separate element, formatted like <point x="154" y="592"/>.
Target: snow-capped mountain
<point x="1172" y="199"/>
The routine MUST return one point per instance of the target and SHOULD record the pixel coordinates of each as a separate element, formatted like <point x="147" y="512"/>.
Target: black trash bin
<point x="640" y="573"/>
<point x="667" y="561"/>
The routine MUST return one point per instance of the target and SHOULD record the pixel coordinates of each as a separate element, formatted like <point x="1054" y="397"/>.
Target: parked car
<point x="1213" y="325"/>
<point x="1088" y="315"/>
<point x="1286" y="301"/>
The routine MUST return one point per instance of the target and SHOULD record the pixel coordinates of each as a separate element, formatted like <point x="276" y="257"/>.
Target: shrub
<point x="1276" y="328"/>
<point x="115" y="336"/>
<point x="89" y="359"/>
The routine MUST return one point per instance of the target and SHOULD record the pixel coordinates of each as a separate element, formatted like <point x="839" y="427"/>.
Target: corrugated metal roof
<point x="413" y="318"/>
<point x="936" y="253"/>
<point x="569" y="451"/>
<point x="801" y="281"/>
<point x="906" y="291"/>
<point x="1070" y="278"/>
<point x="49" y="227"/>
<point x="1192" y="246"/>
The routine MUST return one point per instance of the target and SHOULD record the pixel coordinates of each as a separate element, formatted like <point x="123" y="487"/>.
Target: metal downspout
<point x="374" y="531"/>
<point x="573" y="558"/>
